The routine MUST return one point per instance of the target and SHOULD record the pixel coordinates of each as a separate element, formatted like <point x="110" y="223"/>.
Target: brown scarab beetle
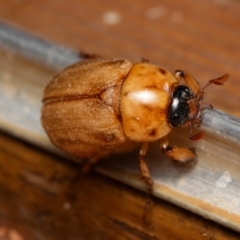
<point x="98" y="107"/>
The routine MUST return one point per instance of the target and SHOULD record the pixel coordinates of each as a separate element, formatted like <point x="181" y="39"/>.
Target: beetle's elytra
<point x="98" y="107"/>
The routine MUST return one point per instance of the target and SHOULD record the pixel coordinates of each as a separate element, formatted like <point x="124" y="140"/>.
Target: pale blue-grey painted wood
<point x="35" y="48"/>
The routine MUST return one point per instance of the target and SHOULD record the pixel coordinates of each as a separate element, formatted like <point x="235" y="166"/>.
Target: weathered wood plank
<point x="33" y="199"/>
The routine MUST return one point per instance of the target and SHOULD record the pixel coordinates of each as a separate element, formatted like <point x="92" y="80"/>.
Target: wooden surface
<point x="33" y="192"/>
<point x="204" y="187"/>
<point x="202" y="39"/>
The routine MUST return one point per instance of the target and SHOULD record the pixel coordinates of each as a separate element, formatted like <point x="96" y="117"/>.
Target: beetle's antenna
<point x="217" y="81"/>
<point x="197" y="106"/>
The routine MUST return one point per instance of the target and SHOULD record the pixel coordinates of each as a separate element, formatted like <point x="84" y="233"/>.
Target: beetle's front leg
<point x="177" y="153"/>
<point x="189" y="80"/>
<point x="146" y="178"/>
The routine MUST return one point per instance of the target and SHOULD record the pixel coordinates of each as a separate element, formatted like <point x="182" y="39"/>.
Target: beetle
<point x="99" y="107"/>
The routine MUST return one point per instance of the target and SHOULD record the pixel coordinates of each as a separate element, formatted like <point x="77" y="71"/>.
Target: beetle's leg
<point x="146" y="178"/>
<point x="74" y="185"/>
<point x="144" y="168"/>
<point x="189" y="80"/>
<point x="89" y="164"/>
<point x="85" y="55"/>
<point x="177" y="153"/>
<point x="144" y="60"/>
<point x="196" y="136"/>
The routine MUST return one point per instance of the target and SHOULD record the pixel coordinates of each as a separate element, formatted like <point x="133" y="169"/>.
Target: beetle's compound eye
<point x="179" y="110"/>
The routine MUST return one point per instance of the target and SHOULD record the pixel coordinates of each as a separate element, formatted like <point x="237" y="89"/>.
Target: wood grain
<point x="201" y="38"/>
<point x="33" y="190"/>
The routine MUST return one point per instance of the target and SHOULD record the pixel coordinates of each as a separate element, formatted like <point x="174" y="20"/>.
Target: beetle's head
<point x="186" y="109"/>
<point x="179" y="109"/>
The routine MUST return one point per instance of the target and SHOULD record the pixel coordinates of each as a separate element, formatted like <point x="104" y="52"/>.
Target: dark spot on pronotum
<point x="139" y="75"/>
<point x="132" y="130"/>
<point x="153" y="132"/>
<point x="162" y="71"/>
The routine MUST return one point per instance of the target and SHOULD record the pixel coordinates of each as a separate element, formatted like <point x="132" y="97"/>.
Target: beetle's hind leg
<point x="77" y="179"/>
<point x="179" y="154"/>
<point x="85" y="55"/>
<point x="147" y="179"/>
